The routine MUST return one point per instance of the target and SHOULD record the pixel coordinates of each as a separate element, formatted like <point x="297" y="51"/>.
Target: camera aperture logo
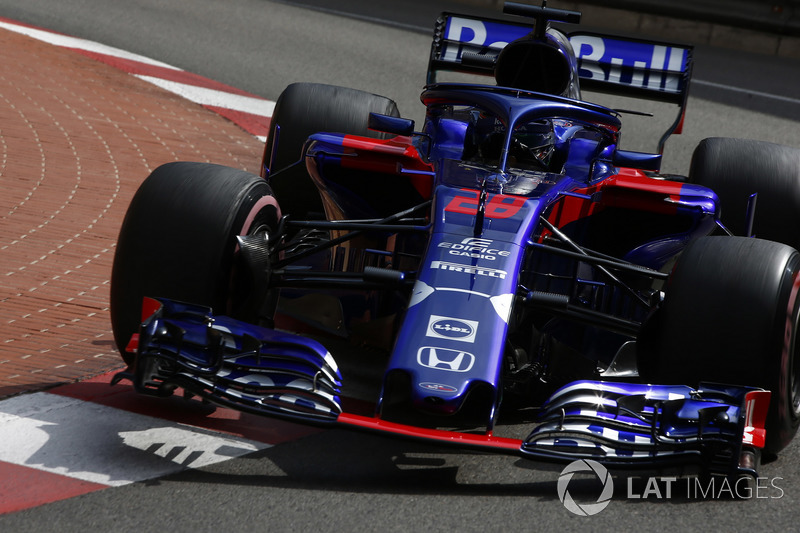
<point x="585" y="509"/>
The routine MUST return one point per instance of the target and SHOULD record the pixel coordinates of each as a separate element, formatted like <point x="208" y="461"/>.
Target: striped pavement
<point x="87" y="436"/>
<point x="250" y="112"/>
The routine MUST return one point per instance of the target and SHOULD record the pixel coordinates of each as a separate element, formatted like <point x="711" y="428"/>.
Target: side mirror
<point x="638" y="160"/>
<point x="390" y="124"/>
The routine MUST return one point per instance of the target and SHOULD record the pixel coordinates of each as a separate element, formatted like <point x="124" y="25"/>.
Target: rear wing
<point x="638" y="68"/>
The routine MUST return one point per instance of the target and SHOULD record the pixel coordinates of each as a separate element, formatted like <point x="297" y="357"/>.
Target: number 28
<point x="497" y="206"/>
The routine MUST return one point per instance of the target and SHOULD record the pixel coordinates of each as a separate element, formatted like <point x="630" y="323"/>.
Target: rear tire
<point x="178" y="241"/>
<point x="737" y="168"/>
<point x="730" y="316"/>
<point x="302" y="110"/>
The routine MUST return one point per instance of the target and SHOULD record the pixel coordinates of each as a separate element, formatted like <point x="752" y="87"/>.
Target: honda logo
<point x="445" y="359"/>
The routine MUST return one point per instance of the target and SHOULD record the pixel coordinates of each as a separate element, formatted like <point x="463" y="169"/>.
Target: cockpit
<point x="550" y="145"/>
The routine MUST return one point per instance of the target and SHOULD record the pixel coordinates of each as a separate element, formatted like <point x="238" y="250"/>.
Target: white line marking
<point x="747" y="91"/>
<point x="204" y="96"/>
<point x="200" y="95"/>
<point x="100" y="444"/>
<point x="82" y="44"/>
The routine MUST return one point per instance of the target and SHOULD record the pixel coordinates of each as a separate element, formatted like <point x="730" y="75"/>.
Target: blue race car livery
<point x="506" y="262"/>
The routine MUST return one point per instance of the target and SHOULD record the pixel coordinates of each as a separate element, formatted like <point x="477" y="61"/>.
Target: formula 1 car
<point x="507" y="262"/>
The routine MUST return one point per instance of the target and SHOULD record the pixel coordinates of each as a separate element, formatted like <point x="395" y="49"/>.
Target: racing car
<point x="507" y="261"/>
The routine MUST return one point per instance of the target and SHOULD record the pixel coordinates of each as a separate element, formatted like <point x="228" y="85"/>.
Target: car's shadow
<point x="337" y="460"/>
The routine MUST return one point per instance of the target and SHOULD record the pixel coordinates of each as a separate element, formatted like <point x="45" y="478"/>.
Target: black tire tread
<point x="724" y="320"/>
<point x="302" y="110"/>
<point x="177" y="239"/>
<point x="737" y="168"/>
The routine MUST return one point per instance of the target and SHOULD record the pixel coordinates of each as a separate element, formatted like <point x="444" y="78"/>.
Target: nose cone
<point x="436" y="404"/>
<point x="438" y="398"/>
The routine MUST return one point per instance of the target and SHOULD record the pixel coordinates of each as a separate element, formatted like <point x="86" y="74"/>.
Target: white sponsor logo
<point x="475" y="249"/>
<point x="655" y="66"/>
<point x="445" y="359"/>
<point x="438" y="387"/>
<point x="469" y="269"/>
<point x="650" y="57"/>
<point x="454" y="329"/>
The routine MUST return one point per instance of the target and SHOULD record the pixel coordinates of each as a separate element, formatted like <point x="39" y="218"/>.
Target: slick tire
<point x="302" y="110"/>
<point x="737" y="168"/>
<point x="730" y="315"/>
<point x="178" y="241"/>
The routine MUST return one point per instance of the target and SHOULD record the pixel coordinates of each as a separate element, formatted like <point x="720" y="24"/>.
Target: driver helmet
<point x="532" y="145"/>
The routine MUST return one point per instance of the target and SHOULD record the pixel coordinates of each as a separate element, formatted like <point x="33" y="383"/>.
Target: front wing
<point x="716" y="428"/>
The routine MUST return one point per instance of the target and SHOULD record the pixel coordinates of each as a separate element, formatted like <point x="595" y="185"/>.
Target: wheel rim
<point x="259" y="221"/>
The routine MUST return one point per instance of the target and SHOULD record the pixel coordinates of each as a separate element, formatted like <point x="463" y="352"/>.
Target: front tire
<point x="730" y="315"/>
<point x="178" y="241"/>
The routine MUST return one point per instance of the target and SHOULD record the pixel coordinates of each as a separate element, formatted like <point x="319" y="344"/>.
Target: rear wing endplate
<point x="638" y="68"/>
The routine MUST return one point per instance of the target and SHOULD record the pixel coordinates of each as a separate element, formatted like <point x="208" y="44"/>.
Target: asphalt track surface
<point x="329" y="480"/>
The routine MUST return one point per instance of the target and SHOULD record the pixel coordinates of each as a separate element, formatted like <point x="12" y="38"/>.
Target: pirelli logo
<point x="469" y="269"/>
